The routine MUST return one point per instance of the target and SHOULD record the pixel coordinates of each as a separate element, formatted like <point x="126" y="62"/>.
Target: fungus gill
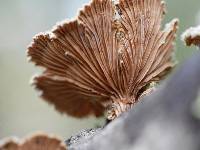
<point x="106" y="58"/>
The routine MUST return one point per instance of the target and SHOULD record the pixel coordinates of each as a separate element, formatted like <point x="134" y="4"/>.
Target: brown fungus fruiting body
<point x="192" y="36"/>
<point x="39" y="141"/>
<point x="106" y="58"/>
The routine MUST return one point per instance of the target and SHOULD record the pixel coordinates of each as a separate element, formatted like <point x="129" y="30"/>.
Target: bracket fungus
<point x="105" y="59"/>
<point x="38" y="141"/>
<point x="192" y="36"/>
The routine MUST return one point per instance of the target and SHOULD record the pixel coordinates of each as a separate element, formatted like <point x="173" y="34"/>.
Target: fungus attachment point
<point x="110" y="52"/>
<point x="117" y="108"/>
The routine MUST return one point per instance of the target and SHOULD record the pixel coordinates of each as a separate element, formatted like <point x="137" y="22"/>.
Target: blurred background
<point x="21" y="110"/>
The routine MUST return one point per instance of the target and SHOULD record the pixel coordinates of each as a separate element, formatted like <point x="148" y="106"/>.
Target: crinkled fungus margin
<point x="39" y="141"/>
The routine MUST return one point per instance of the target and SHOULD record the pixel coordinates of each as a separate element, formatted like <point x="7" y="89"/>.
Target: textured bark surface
<point x="162" y="121"/>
